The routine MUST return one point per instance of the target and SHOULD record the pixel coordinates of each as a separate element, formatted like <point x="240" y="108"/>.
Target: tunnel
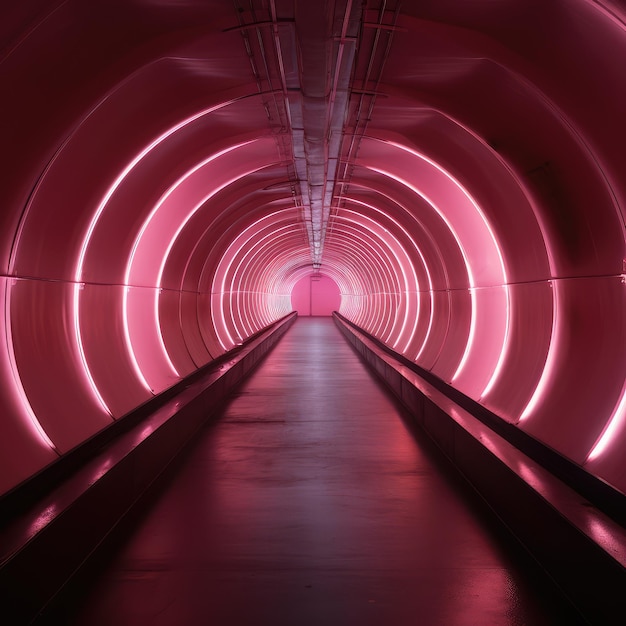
<point x="443" y="176"/>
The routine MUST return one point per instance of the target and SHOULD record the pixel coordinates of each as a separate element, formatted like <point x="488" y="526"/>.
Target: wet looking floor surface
<point x="311" y="501"/>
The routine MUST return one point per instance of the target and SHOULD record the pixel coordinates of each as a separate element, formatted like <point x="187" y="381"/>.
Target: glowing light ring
<point x="503" y="353"/>
<point x="370" y="285"/>
<point x="36" y="427"/>
<point x="127" y="339"/>
<point x="131" y="259"/>
<point x="344" y="247"/>
<point x="87" y="239"/>
<point x="274" y="263"/>
<point x="404" y="275"/>
<point x="472" y="330"/>
<point x="363" y="279"/>
<point x="381" y="252"/>
<point x="410" y="215"/>
<point x="457" y="184"/>
<point x="225" y="273"/>
<point x="248" y="258"/>
<point x="268" y="257"/>
<point x="81" y="351"/>
<point x="550" y="363"/>
<point x="345" y="277"/>
<point x="415" y="279"/>
<point x="182" y="225"/>
<point x="372" y="280"/>
<point x="271" y="262"/>
<point x="614" y="425"/>
<point x="468" y="267"/>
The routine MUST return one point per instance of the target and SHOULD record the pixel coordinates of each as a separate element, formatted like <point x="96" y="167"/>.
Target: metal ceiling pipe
<point x="326" y="50"/>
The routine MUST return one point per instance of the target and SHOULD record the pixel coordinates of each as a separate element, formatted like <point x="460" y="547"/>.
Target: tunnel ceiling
<point x="172" y="169"/>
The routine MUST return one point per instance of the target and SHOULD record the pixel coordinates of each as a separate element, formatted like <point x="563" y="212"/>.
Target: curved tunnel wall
<point x="151" y="221"/>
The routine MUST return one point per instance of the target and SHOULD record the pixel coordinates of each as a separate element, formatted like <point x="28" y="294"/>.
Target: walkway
<point x="311" y="502"/>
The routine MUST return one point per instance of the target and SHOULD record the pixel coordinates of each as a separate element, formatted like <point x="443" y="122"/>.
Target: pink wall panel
<point x="578" y="396"/>
<point x="153" y="364"/>
<point x="170" y="310"/>
<point x="211" y="310"/>
<point x="493" y="184"/>
<point x="49" y="364"/>
<point x="421" y="328"/>
<point x="487" y="340"/>
<point x="530" y="331"/>
<point x="609" y="463"/>
<point x="457" y="334"/>
<point x="437" y="333"/>
<point x="193" y="317"/>
<point x="23" y="449"/>
<point x="106" y="350"/>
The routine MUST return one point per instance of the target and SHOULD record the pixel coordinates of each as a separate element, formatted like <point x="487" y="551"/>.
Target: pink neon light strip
<point x="36" y="427"/>
<point x="92" y="384"/>
<point x="549" y="367"/>
<point x="504" y="279"/>
<point x="129" y="265"/>
<point x="468" y="267"/>
<point x="412" y="269"/>
<point x="226" y="272"/>
<point x="614" y="425"/>
<point x="387" y="267"/>
<point x="248" y="258"/>
<point x="424" y="343"/>
<point x="498" y="250"/>
<point x="78" y="272"/>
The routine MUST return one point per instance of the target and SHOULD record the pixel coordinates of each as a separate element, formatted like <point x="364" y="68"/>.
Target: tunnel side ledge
<point x="45" y="537"/>
<point x="580" y="547"/>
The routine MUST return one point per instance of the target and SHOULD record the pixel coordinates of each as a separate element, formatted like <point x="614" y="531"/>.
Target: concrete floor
<point x="311" y="501"/>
